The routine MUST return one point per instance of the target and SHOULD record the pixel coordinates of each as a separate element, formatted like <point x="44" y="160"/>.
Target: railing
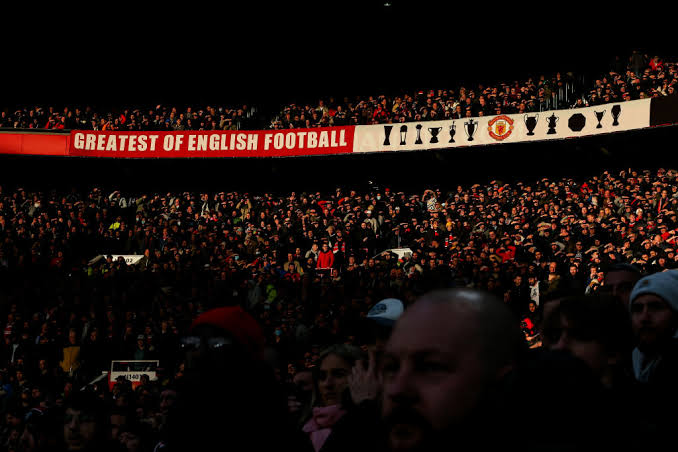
<point x="565" y="96"/>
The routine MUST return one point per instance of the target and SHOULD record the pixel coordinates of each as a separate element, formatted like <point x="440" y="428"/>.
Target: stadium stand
<point x="282" y="309"/>
<point x="653" y="78"/>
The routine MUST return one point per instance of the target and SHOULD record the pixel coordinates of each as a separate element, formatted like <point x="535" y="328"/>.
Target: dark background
<point x="111" y="55"/>
<point x="114" y="53"/>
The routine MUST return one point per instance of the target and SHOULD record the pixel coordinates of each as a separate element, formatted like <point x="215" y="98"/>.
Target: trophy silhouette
<point x="471" y="128"/>
<point x="387" y="132"/>
<point x="418" y="141"/>
<point x="531" y="123"/>
<point x="403" y="134"/>
<point x="453" y="130"/>
<point x="553" y="119"/>
<point x="434" y="134"/>
<point x="599" y="117"/>
<point x="616" y="112"/>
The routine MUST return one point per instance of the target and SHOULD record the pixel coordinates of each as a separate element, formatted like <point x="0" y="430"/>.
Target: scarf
<point x="320" y="425"/>
<point x="643" y="368"/>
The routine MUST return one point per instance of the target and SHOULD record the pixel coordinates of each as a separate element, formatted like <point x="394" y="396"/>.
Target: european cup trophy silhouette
<point x="531" y="123"/>
<point x="616" y="112"/>
<point x="599" y="117"/>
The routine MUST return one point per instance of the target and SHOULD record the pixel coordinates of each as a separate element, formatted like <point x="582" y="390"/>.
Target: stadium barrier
<point x="412" y="136"/>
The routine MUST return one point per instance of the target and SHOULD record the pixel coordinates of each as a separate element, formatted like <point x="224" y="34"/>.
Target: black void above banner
<point x="484" y="130"/>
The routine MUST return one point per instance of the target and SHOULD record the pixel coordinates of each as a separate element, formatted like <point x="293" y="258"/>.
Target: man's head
<point x="225" y="368"/>
<point x="83" y="423"/>
<point x="620" y="279"/>
<point x="654" y="310"/>
<point x="445" y="357"/>
<point x="595" y="329"/>
<point x="379" y="324"/>
<point x="221" y="332"/>
<point x="118" y="418"/>
<point x="168" y="398"/>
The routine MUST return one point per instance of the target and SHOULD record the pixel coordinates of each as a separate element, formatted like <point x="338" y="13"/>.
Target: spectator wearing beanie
<point x="654" y="317"/>
<point x="225" y="370"/>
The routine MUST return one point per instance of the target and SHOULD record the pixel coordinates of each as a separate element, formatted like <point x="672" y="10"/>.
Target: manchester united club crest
<point x="500" y="127"/>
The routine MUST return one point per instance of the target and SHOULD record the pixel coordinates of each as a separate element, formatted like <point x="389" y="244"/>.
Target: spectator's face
<point x="653" y="321"/>
<point x="333" y="379"/>
<point x="304" y="381"/>
<point x="12" y="420"/>
<point x="620" y="284"/>
<point x="209" y="357"/>
<point x="117" y="421"/>
<point x="167" y="400"/>
<point x="79" y="429"/>
<point x="433" y="375"/>
<point x="588" y="350"/>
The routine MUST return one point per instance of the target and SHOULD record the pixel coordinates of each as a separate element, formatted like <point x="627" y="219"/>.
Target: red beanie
<point x="242" y="326"/>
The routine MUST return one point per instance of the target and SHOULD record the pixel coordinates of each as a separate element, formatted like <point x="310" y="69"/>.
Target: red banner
<point x="33" y="143"/>
<point x="235" y="143"/>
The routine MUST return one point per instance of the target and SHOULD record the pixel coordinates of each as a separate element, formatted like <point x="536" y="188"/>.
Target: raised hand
<point x="364" y="382"/>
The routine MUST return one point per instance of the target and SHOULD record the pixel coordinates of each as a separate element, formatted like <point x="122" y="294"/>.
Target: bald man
<point x="443" y="368"/>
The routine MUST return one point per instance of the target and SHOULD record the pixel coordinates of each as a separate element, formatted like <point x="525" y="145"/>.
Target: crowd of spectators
<point x="307" y="266"/>
<point x="641" y="77"/>
<point x="638" y="77"/>
<point x="160" y="117"/>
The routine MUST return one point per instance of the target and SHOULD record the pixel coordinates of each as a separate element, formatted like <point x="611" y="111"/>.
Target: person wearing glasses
<point x="225" y="373"/>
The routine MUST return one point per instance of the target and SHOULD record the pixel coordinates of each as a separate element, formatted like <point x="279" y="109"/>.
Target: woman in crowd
<point x="335" y="422"/>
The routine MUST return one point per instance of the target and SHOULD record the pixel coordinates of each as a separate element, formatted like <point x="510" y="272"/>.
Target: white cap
<point x="387" y="311"/>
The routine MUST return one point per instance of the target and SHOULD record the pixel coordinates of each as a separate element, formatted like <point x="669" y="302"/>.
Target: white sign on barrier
<point x="132" y="371"/>
<point x="484" y="130"/>
<point x="130" y="259"/>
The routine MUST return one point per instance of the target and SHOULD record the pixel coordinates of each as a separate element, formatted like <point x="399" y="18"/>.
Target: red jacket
<point x="508" y="254"/>
<point x="325" y="259"/>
